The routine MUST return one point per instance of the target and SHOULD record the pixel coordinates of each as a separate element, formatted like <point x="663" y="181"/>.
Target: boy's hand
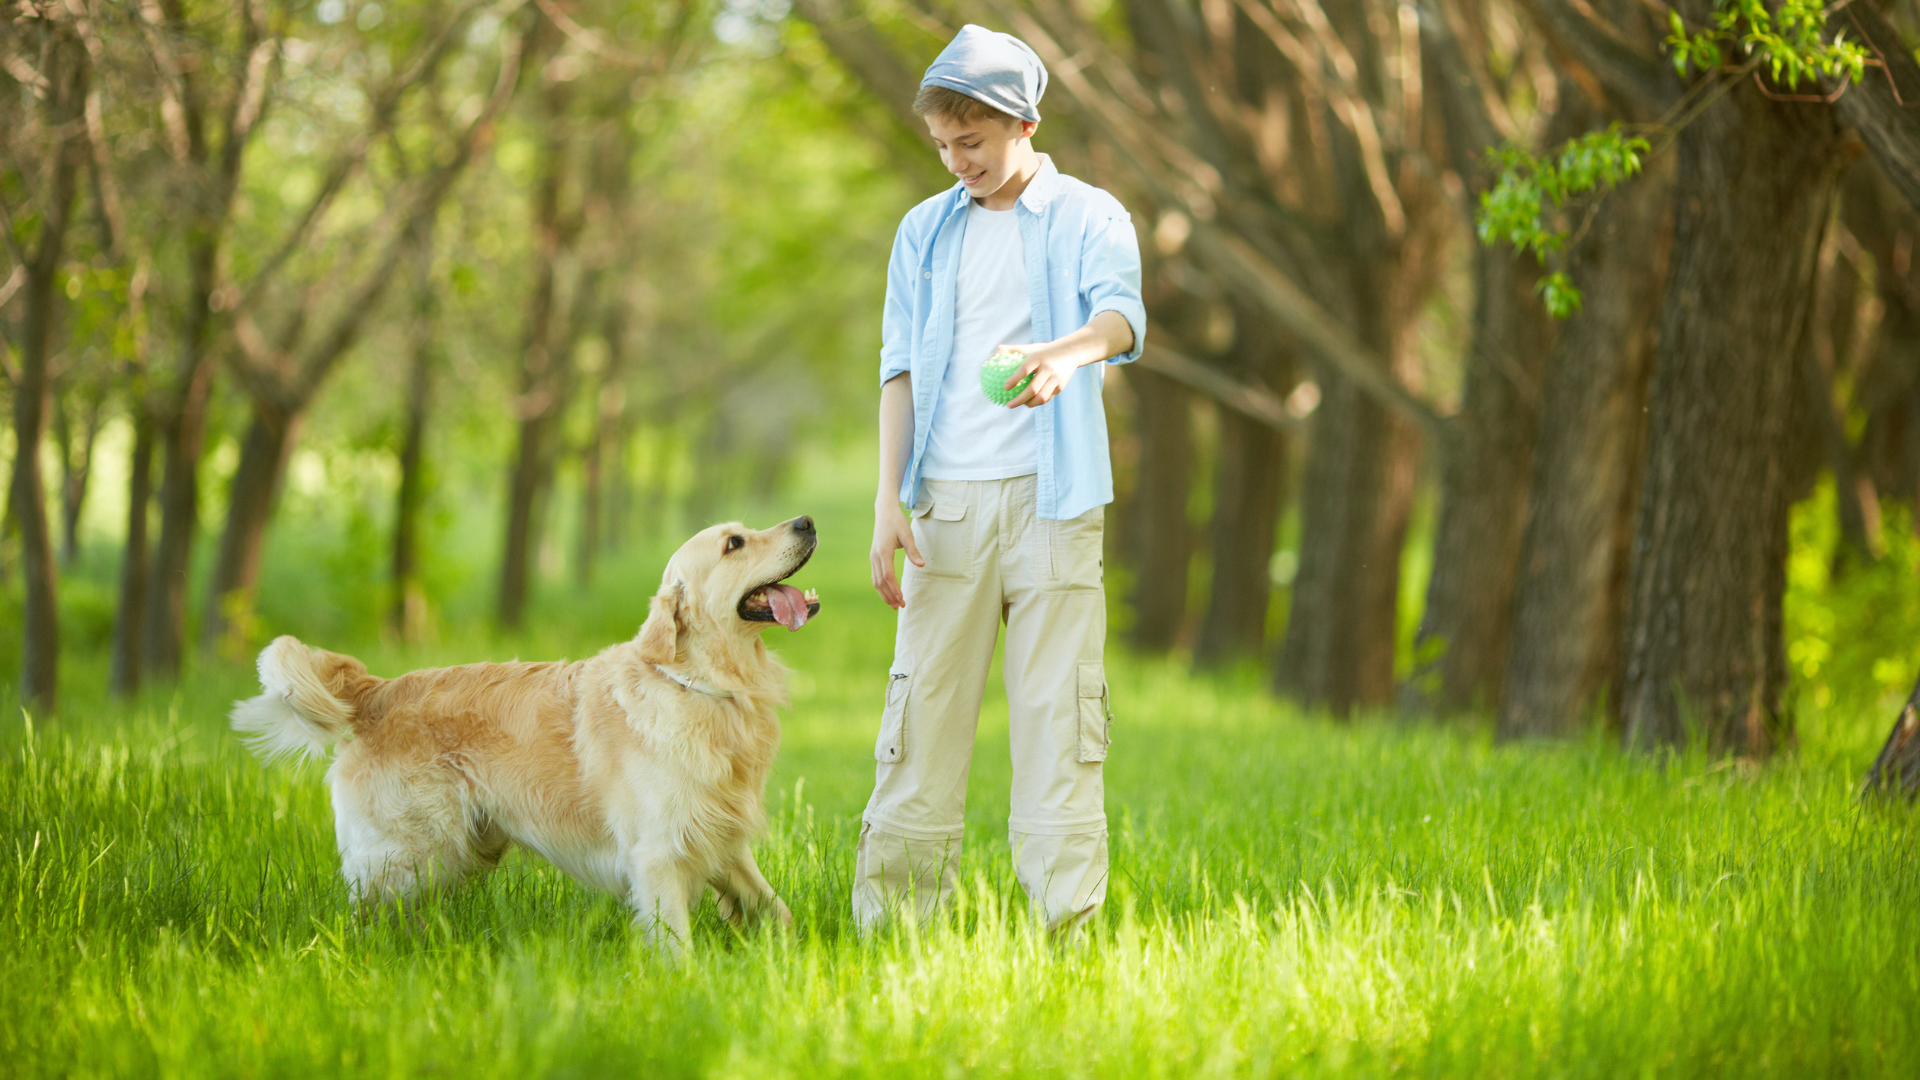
<point x="1050" y="373"/>
<point x="890" y="533"/>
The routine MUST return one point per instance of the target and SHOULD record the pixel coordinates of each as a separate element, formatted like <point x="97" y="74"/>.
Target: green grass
<point x="1290" y="897"/>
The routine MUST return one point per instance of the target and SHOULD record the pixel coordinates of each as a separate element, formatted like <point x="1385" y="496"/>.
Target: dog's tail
<point x="310" y="700"/>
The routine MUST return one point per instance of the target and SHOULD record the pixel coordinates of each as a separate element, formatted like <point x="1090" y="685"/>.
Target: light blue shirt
<point x="1082" y="259"/>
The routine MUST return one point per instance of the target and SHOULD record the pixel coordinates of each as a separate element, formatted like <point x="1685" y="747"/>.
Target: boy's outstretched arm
<point x="1052" y="363"/>
<point x="890" y="529"/>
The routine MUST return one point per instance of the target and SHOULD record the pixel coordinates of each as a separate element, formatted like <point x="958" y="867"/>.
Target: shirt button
<point x="928" y="274"/>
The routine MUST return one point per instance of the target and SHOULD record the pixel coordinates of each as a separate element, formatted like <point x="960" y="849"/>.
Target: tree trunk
<point x="1896" y="769"/>
<point x="609" y="417"/>
<point x="1570" y="592"/>
<point x="1248" y="480"/>
<point x="1703" y="636"/>
<point x="619" y="512"/>
<point x="529" y="453"/>
<point x="1465" y="626"/>
<point x="123" y="675"/>
<point x="1338" y="650"/>
<point x="66" y="75"/>
<point x="1163" y="422"/>
<point x="1888" y="389"/>
<point x="537" y="404"/>
<point x="1356" y="494"/>
<point x="76" y="466"/>
<point x="407" y="611"/>
<point x="227" y="620"/>
<point x="1247" y="496"/>
<point x="182" y="427"/>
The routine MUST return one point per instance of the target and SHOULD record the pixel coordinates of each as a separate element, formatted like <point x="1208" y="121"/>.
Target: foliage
<point x="1527" y="205"/>
<point x="1790" y="41"/>
<point x="1850" y="628"/>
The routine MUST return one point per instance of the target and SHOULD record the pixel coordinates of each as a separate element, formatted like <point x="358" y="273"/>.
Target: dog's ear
<point x="660" y="634"/>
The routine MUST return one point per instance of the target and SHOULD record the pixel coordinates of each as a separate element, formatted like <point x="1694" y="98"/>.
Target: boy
<point x="1007" y="503"/>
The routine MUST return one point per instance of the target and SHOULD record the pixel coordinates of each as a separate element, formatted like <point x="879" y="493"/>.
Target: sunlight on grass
<point x="1290" y="896"/>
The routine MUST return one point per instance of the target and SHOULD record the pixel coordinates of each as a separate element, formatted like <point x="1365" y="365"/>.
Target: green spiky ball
<point x="995" y="373"/>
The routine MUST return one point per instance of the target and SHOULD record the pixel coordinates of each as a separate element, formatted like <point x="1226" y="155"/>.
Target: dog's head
<point x="730" y="579"/>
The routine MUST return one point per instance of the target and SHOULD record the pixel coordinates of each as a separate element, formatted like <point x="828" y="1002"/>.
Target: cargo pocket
<point x="945" y="538"/>
<point x="1096" y="723"/>
<point x="1076" y="550"/>
<point x="893" y="721"/>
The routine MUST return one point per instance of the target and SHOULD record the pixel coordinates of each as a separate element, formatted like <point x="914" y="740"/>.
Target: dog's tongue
<point x="789" y="606"/>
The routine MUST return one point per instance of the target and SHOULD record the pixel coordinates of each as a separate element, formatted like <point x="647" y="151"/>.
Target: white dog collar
<point x="700" y="685"/>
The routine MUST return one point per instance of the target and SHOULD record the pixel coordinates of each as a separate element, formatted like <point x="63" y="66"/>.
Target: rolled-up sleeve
<point x="1110" y="278"/>
<point x="896" y="319"/>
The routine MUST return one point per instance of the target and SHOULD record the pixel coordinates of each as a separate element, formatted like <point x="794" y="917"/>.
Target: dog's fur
<point x="619" y="775"/>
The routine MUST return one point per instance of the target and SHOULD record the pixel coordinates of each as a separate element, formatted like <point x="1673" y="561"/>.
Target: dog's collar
<point x="698" y="685"/>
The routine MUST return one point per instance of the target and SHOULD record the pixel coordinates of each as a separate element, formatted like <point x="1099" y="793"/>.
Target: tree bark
<point x="181" y="423"/>
<point x="1881" y="107"/>
<point x="1337" y="653"/>
<point x="1703" y="636"/>
<point x="1896" y="769"/>
<point x="228" y="618"/>
<point x="1249" y="477"/>
<point x="1569" y="595"/>
<point x="407" y="609"/>
<point x="535" y="409"/>
<point x="76" y="444"/>
<point x="537" y="404"/>
<point x="1466" y="624"/>
<point x="1163" y="422"/>
<point x="609" y="417"/>
<point x="124" y="668"/>
<point x="183" y="432"/>
<point x="1888" y="388"/>
<point x="66" y="74"/>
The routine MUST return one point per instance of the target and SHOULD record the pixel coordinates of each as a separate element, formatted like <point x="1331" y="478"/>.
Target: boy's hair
<point x="934" y="100"/>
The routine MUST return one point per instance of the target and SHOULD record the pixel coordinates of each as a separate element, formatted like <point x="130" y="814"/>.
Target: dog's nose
<point x="803" y="525"/>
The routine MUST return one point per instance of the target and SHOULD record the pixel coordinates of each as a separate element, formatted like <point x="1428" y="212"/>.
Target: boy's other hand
<point x="1050" y="373"/>
<point x="891" y="532"/>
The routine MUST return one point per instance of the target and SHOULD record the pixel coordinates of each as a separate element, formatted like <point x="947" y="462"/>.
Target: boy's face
<point x="984" y="153"/>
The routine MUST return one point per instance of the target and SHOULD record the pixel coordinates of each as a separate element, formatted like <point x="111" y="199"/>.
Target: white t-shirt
<point x="972" y="438"/>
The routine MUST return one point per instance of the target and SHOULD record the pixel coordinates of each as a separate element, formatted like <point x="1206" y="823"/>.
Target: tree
<point x="578" y="120"/>
<point x="1732" y="394"/>
<point x="407" y="608"/>
<point x="206" y="160"/>
<point x="282" y="372"/>
<point x="60" y="84"/>
<point x="543" y="367"/>
<point x="1465" y="625"/>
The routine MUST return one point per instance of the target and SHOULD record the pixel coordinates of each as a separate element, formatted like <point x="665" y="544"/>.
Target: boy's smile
<point x="993" y="158"/>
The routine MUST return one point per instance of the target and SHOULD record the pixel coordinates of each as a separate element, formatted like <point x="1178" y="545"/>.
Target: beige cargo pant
<point x="988" y="559"/>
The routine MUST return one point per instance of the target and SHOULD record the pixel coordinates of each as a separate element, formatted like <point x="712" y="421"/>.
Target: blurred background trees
<point x="407" y="296"/>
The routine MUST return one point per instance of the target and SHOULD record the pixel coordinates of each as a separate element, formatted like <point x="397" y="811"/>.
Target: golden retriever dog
<point x="638" y="772"/>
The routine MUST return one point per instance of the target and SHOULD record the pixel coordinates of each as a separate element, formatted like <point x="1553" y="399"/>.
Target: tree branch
<point x="1885" y="108"/>
<point x="1332" y="343"/>
<point x="1256" y="402"/>
<point x="385" y="106"/>
<point x="1634" y="77"/>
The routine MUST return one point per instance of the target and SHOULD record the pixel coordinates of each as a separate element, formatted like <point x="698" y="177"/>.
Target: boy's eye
<point x="735" y="543"/>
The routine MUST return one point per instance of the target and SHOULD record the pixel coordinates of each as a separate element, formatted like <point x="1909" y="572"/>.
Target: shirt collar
<point x="1040" y="189"/>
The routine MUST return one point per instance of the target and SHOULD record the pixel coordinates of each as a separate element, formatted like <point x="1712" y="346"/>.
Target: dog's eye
<point x="735" y="543"/>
